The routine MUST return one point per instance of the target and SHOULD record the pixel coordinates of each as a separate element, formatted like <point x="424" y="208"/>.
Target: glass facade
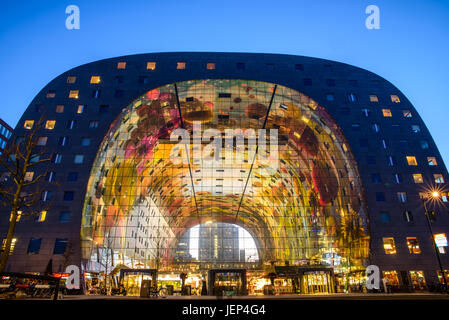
<point x="253" y="154"/>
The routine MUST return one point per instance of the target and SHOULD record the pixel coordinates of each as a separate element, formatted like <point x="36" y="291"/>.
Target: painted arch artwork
<point x="308" y="209"/>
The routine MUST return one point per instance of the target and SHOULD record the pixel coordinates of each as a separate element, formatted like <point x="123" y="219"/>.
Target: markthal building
<point x="233" y="173"/>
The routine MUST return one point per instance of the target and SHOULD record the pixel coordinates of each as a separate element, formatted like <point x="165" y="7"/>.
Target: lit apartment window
<point x="51" y="94"/>
<point x="71" y="124"/>
<point x="28" y="124"/>
<point x="19" y="215"/>
<point x="416" y="128"/>
<point x="46" y="196"/>
<point x="438" y="178"/>
<point x="352" y="97"/>
<point x="413" y="245"/>
<point x="95" y="79"/>
<point x="60" y="108"/>
<point x="71" y="79"/>
<point x="42" y="141"/>
<point x="42" y="216"/>
<point x="389" y="246"/>
<point x="397" y="178"/>
<point x="407" y="113"/>
<point x="51" y="176"/>
<point x="417" y="178"/>
<point x="395" y="98"/>
<point x="402" y="197"/>
<point x="81" y="109"/>
<point x="366" y="112"/>
<point x="180" y="65"/>
<point x="432" y="161"/>
<point x="210" y="66"/>
<point x="121" y="65"/>
<point x="79" y="158"/>
<point x="74" y="94"/>
<point x="385" y="217"/>
<point x="11" y="248"/>
<point x="424" y="144"/>
<point x="407" y="216"/>
<point x="386" y="112"/>
<point x="63" y="141"/>
<point x="57" y="158"/>
<point x="50" y="124"/>
<point x="411" y="160"/>
<point x="93" y="124"/>
<point x="151" y="65"/>
<point x="28" y="176"/>
<point x="373" y="98"/>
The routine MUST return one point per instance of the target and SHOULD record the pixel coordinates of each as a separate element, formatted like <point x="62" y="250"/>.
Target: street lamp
<point x="434" y="195"/>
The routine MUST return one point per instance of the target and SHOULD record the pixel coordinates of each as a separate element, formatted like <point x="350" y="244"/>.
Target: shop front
<point x="227" y="282"/>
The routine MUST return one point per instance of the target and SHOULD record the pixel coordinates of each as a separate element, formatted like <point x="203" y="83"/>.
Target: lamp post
<point x="434" y="195"/>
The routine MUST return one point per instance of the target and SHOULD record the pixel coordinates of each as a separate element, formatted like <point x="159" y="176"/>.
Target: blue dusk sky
<point x="411" y="48"/>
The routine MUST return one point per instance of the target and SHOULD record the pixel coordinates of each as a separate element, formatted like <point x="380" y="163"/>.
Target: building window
<point x="390" y="161"/>
<point x="395" y="98"/>
<point x="68" y="195"/>
<point x="57" y="158"/>
<point x="103" y="108"/>
<point x="371" y="160"/>
<point x="417" y="178"/>
<point x="330" y="97"/>
<point x="270" y="66"/>
<point x="240" y="66"/>
<point x="373" y="98"/>
<point x="71" y="124"/>
<point x="74" y="94"/>
<point x="210" y="66"/>
<point x="352" y="97"/>
<point x="81" y="108"/>
<point x="307" y="82"/>
<point x="380" y="196"/>
<point x="424" y="144"/>
<point x="119" y="79"/>
<point x="143" y="79"/>
<point x="85" y="142"/>
<point x="60" y="108"/>
<point x="397" y="178"/>
<point x="42" y="141"/>
<point x="407" y="216"/>
<point x="432" y="161"/>
<point x="19" y="215"/>
<point x="72" y="176"/>
<point x="407" y="113"/>
<point x="34" y="245"/>
<point x="79" y="158"/>
<point x="71" y="79"/>
<point x="353" y="83"/>
<point x="64" y="216"/>
<point x="330" y="82"/>
<point x="180" y="65"/>
<point x="121" y="65"/>
<point x="51" y="94"/>
<point x="46" y="196"/>
<point x="396" y="127"/>
<point x="119" y="93"/>
<point x="28" y="124"/>
<point x="413" y="245"/>
<point x="299" y="67"/>
<point x="151" y="65"/>
<point x="402" y="197"/>
<point x="63" y="141"/>
<point x="389" y="246"/>
<point x="93" y="124"/>
<point x="375" y="127"/>
<point x="50" y="124"/>
<point x="366" y="112"/>
<point x="60" y="245"/>
<point x="95" y="79"/>
<point x="355" y="126"/>
<point x="96" y="93"/>
<point x="42" y="216"/>
<point x="51" y="176"/>
<point x="403" y="144"/>
<point x="411" y="161"/>
<point x="385" y="217"/>
<point x="384" y="143"/>
<point x="438" y="178"/>
<point x="364" y="143"/>
<point x="28" y="176"/>
<point x="375" y="178"/>
<point x="416" y="128"/>
<point x="11" y="248"/>
<point x="386" y="112"/>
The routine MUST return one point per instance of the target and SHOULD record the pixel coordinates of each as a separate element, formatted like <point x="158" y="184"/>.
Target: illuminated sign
<point x="440" y="240"/>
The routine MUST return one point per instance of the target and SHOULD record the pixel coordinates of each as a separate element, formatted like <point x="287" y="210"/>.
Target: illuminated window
<point x="19" y="215"/>
<point x="416" y="128"/>
<point x="352" y="97"/>
<point x="51" y="94"/>
<point x="42" y="141"/>
<point x="366" y="112"/>
<point x="397" y="178"/>
<point x="180" y="65"/>
<point x="417" y="178"/>
<point x="46" y="196"/>
<point x="79" y="158"/>
<point x="28" y="176"/>
<point x="95" y="79"/>
<point x="71" y="79"/>
<point x="432" y="161"/>
<point x="424" y="144"/>
<point x="438" y="178"/>
<point x="407" y="113"/>
<point x="151" y="65"/>
<point x="386" y="112"/>
<point x="81" y="108"/>
<point x="373" y="98"/>
<point x="60" y="108"/>
<point x="395" y="98"/>
<point x="74" y="94"/>
<point x="389" y="246"/>
<point x="11" y="248"/>
<point x="28" y="124"/>
<point x="413" y="245"/>
<point x="392" y="277"/>
<point x="70" y="124"/>
<point x="121" y="65"/>
<point x="402" y="197"/>
<point x="42" y="216"/>
<point x="50" y="124"/>
<point x="210" y="66"/>
<point x="385" y="217"/>
<point x="411" y="160"/>
<point x="330" y="97"/>
<point x="407" y="216"/>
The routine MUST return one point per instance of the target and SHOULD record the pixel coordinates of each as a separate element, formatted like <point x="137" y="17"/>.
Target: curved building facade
<point x="186" y="162"/>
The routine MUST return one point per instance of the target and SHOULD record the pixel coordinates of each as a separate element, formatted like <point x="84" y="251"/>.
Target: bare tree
<point x="19" y="187"/>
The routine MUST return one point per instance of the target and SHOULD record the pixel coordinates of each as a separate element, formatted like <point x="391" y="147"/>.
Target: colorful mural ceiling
<point x="308" y="208"/>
